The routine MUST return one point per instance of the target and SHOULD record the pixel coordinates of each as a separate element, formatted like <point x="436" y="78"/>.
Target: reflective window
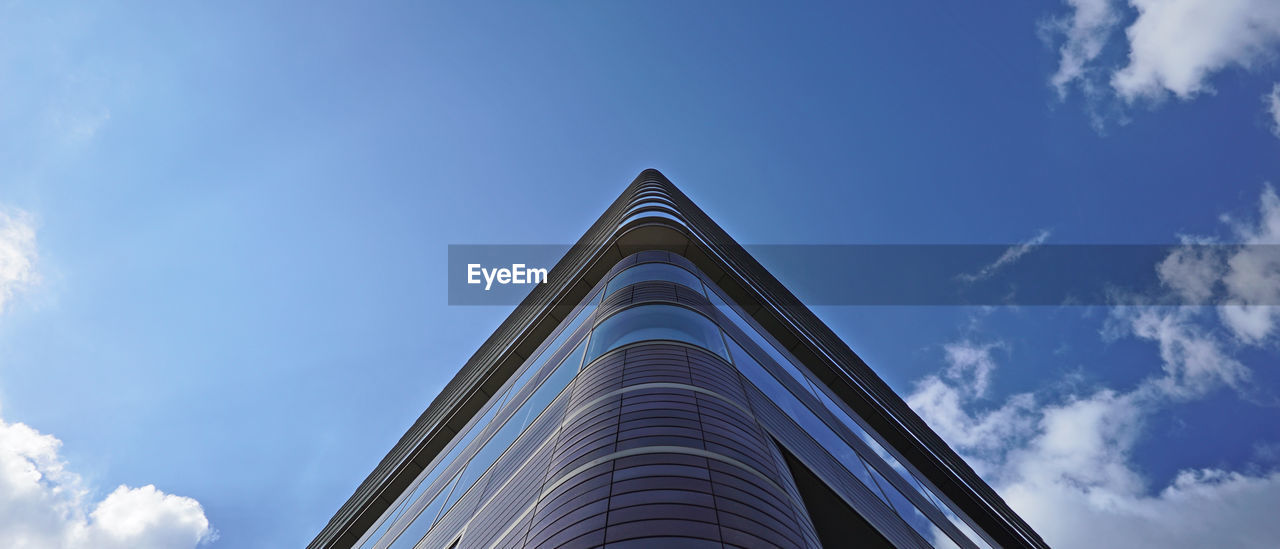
<point x="866" y="437"/>
<point x="648" y="322"/>
<point x="852" y="424"/>
<point x="761" y="341"/>
<point x="651" y="213"/>
<point x="907" y="510"/>
<point x="653" y="271"/>
<point x="428" y="477"/>
<point x="422" y="523"/>
<point x="515" y="425"/>
<point x="798" y="412"/>
<point x="535" y="366"/>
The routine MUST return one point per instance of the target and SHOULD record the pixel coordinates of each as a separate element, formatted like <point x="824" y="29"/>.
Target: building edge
<point x="695" y="236"/>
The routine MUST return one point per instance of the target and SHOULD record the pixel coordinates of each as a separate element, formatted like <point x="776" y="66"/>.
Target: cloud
<point x="17" y="253"/>
<point x="77" y="126"/>
<point x="1193" y="360"/>
<point x="1252" y="277"/>
<point x="1010" y="255"/>
<point x="1174" y="45"/>
<point x="944" y="407"/>
<point x="1192" y="271"/>
<point x="1272" y="102"/>
<point x="1065" y="463"/>
<point x="1067" y="469"/>
<point x="967" y="359"/>
<point x="1087" y="32"/>
<point x="44" y="505"/>
<point x="1247" y="273"/>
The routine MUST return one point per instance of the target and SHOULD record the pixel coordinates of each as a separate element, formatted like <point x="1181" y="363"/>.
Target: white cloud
<point x="1174" y="45"/>
<point x="17" y="253"/>
<point x="972" y="362"/>
<point x="1192" y="271"/>
<point x="1206" y="508"/>
<point x="944" y="405"/>
<point x="1066" y="464"/>
<point x="43" y="505"/>
<point x="1252" y="278"/>
<point x="1067" y="469"/>
<point x="1193" y="360"/>
<point x="1087" y="31"/>
<point x="1248" y="273"/>
<point x="1272" y="102"/>
<point x="1010" y="255"/>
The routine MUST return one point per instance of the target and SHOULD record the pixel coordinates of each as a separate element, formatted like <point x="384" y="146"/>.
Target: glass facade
<point x="655" y="322"/>
<point x="662" y="412"/>
<point x="432" y="497"/>
<point x="769" y="368"/>
<point x="877" y="461"/>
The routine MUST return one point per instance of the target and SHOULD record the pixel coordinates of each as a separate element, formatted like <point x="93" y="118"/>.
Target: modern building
<point x="663" y="390"/>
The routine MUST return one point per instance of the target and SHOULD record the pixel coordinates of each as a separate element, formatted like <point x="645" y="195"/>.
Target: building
<point x="663" y="390"/>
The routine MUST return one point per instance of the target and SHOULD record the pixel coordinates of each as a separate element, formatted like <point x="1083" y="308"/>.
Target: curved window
<point x="654" y="322"/>
<point x="651" y="214"/>
<point x="653" y="271"/>
<point x="652" y="200"/>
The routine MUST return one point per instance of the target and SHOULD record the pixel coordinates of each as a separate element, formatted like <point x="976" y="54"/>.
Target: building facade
<point x="663" y="390"/>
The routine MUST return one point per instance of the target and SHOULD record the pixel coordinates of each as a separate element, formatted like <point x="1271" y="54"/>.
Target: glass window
<point x="430" y="475"/>
<point x="797" y="411"/>
<point x="422" y="523"/>
<point x="515" y="425"/>
<point x="762" y="341"/>
<point x="653" y="271"/>
<point x="655" y="322"/>
<point x="651" y="213"/>
<point x="535" y="367"/>
<point x="866" y="437"/>
<point x="852" y="424"/>
<point x="906" y="509"/>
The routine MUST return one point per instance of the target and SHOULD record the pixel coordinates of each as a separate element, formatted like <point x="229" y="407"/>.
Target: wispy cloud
<point x="1248" y="275"/>
<point x="1009" y="256"/>
<point x="17" y="253"/>
<point x="1086" y="32"/>
<point x="1272" y="102"/>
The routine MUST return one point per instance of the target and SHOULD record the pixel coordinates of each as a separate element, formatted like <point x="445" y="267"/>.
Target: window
<point x="653" y="271"/>
<point x="648" y="322"/>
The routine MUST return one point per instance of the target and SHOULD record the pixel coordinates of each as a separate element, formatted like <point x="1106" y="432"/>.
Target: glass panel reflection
<point x="515" y="425"/>
<point x="534" y="366"/>
<point x="648" y="322"/>
<point x="422" y="523"/>
<point x="798" y="412"/>
<point x="653" y="271"/>
<point x="847" y="420"/>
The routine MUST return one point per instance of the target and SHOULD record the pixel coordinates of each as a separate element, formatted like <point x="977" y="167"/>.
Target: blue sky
<point x="225" y="228"/>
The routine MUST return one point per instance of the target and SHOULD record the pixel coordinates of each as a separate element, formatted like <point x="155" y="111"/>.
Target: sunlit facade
<point x="662" y="391"/>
